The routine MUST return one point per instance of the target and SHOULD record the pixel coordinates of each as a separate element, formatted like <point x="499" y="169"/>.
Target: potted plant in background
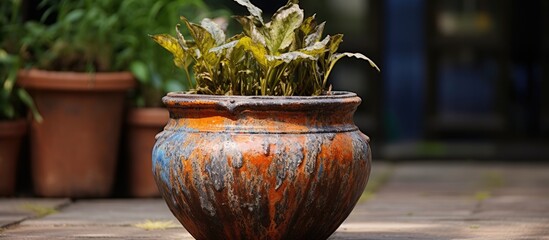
<point x="79" y="84"/>
<point x="156" y="76"/>
<point x="260" y="148"/>
<point x="13" y="124"/>
<point x="14" y="101"/>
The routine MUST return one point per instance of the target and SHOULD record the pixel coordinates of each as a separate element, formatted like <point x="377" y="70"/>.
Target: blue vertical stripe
<point x="404" y="68"/>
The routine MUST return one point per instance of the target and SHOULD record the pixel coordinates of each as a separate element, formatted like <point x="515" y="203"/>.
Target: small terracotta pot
<point x="143" y="125"/>
<point x="261" y="167"/>
<point x="11" y="134"/>
<point x="75" y="148"/>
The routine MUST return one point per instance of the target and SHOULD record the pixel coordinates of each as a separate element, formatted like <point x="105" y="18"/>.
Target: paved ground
<point x="403" y="201"/>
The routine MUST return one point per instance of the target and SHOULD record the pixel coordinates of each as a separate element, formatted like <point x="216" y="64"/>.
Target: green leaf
<point x="281" y="29"/>
<point x="235" y="57"/>
<point x="251" y="30"/>
<point x="214" y="29"/>
<point x="338" y="56"/>
<point x="235" y="37"/>
<point x="315" y="36"/>
<point x="317" y="48"/>
<point x="27" y="100"/>
<point x="140" y="71"/>
<point x="8" y="111"/>
<point x="257" y="50"/>
<point x="173" y="86"/>
<point x="290" y="57"/>
<point x="334" y="42"/>
<point x="247" y="24"/>
<point x="204" y="40"/>
<point x="308" y="25"/>
<point x="225" y="46"/>
<point x="74" y="15"/>
<point x="334" y="58"/>
<point x="254" y="11"/>
<point x="172" y="45"/>
<point x="180" y="39"/>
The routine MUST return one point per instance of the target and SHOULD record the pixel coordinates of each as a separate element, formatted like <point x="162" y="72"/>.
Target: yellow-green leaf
<point x="225" y="46"/>
<point x="203" y="39"/>
<point x="334" y="42"/>
<point x="258" y="51"/>
<point x="140" y="71"/>
<point x="289" y="57"/>
<point x="246" y="22"/>
<point x="214" y="29"/>
<point x="172" y="45"/>
<point x="338" y="56"/>
<point x="315" y="36"/>
<point x="309" y="24"/>
<point x="317" y="48"/>
<point x="334" y="58"/>
<point x="254" y="11"/>
<point x="27" y="100"/>
<point x="282" y="28"/>
<point x="180" y="38"/>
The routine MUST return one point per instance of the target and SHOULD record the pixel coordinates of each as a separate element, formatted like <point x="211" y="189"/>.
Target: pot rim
<point x="34" y="78"/>
<point x="332" y="95"/>
<point x="236" y="104"/>
<point x="148" y="116"/>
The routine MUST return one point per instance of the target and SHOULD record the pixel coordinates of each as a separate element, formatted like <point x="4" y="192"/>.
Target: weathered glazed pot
<point x="244" y="167"/>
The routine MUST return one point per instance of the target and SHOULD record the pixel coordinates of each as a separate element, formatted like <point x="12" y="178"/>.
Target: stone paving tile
<point x="441" y="201"/>
<point x="395" y="230"/>
<point x="15" y="210"/>
<point x="47" y="232"/>
<point x="107" y="212"/>
<point x="103" y="219"/>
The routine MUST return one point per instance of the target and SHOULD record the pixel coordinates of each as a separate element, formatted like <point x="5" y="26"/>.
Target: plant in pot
<point x="14" y="101"/>
<point x="260" y="148"/>
<point x="156" y="76"/>
<point x="79" y="85"/>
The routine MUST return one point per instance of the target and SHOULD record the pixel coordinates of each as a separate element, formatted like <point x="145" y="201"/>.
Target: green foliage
<point x="286" y="56"/>
<point x="152" y="68"/>
<point x="13" y="99"/>
<point x="10" y="25"/>
<point x="107" y="35"/>
<point x="85" y="36"/>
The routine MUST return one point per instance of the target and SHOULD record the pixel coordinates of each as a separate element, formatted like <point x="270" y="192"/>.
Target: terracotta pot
<point x="11" y="134"/>
<point x="143" y="125"/>
<point x="75" y="148"/>
<point x="261" y="167"/>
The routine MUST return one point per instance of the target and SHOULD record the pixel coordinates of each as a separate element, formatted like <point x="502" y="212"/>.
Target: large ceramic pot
<point x="75" y="147"/>
<point x="261" y="167"/>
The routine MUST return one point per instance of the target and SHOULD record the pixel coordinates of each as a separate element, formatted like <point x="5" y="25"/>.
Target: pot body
<point x="261" y="167"/>
<point x="143" y="125"/>
<point x="11" y="135"/>
<point x="75" y="147"/>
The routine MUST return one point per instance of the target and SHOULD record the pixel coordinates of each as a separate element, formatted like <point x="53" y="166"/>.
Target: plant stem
<point x="189" y="78"/>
